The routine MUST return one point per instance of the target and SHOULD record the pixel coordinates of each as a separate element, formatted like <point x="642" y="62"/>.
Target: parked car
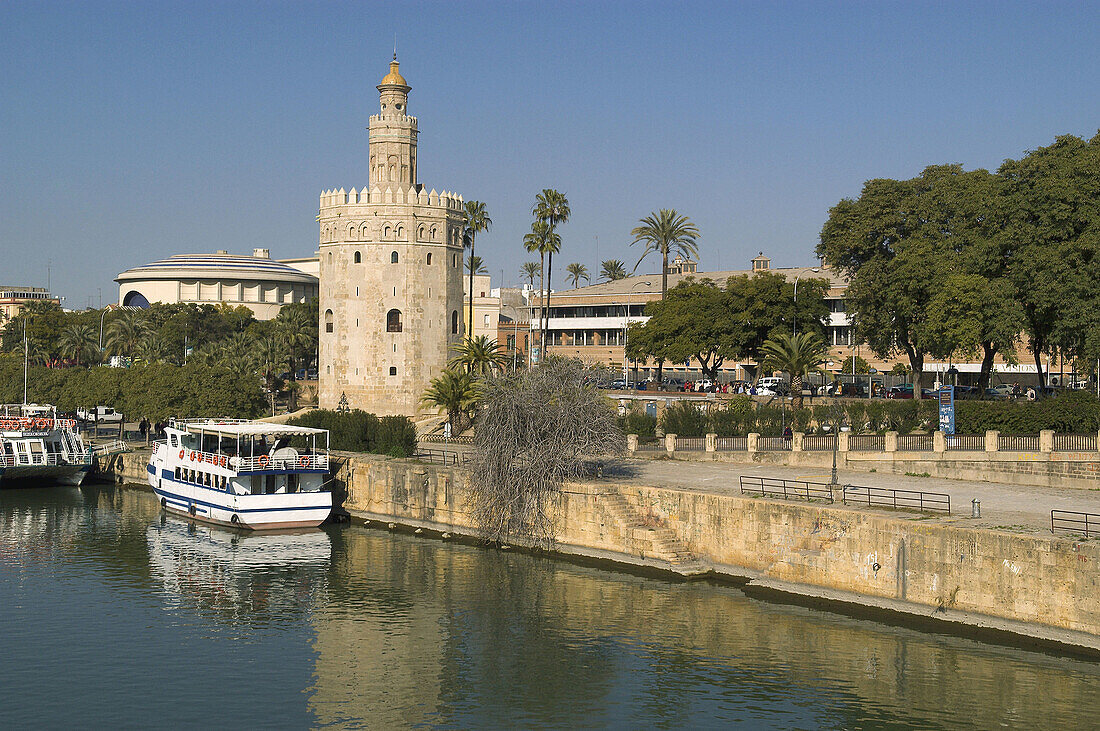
<point x="849" y="390"/>
<point x="618" y="384"/>
<point x="901" y="391"/>
<point x="101" y="414"/>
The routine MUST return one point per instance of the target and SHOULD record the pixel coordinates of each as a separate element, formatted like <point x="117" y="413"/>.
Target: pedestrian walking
<point x="143" y="428"/>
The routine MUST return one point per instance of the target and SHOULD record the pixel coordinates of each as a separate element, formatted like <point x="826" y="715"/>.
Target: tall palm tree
<point x="478" y="356"/>
<point x="80" y="343"/>
<point x="552" y="207"/>
<point x="126" y="331"/>
<point x="455" y="391"/>
<point x="151" y="349"/>
<point x="530" y="270"/>
<point x="666" y="232"/>
<point x="612" y="270"/>
<point x="577" y="272"/>
<point x="798" y="355"/>
<point x="477" y="220"/>
<point x="474" y="265"/>
<point x="298" y="332"/>
<point x="542" y="240"/>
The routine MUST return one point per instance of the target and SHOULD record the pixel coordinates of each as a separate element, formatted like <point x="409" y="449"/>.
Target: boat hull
<point x="66" y="474"/>
<point x="251" y="512"/>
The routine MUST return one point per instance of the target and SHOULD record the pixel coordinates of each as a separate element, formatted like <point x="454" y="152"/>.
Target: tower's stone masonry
<point x="391" y="273"/>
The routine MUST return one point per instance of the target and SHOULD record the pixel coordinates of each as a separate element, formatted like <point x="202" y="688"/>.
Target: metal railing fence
<point x="1071" y="520"/>
<point x="1018" y="443"/>
<point x="691" y="444"/>
<point x="966" y="443"/>
<point x="915" y="443"/>
<point x="885" y="497"/>
<point x="867" y="443"/>
<point x="442" y="456"/>
<point x="786" y="489"/>
<point x="818" y="442"/>
<point x="733" y="444"/>
<point x="1074" y="442"/>
<point x="773" y="444"/>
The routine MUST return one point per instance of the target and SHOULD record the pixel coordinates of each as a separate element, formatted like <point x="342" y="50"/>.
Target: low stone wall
<point x="1045" y="467"/>
<point x="1035" y="586"/>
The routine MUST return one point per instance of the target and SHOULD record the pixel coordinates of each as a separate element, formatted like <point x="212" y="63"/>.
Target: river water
<point x="113" y="614"/>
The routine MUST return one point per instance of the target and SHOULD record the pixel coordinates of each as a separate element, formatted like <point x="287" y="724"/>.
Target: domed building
<point x="258" y="282"/>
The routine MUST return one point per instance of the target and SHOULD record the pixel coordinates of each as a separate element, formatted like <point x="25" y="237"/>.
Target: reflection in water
<point x="352" y="627"/>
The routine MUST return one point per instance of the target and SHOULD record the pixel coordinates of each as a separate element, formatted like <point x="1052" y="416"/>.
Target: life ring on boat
<point x="191" y="508"/>
<point x="192" y="455"/>
<point x="182" y="452"/>
<point x="225" y="461"/>
<point x="263" y="461"/>
<point x="304" y="460"/>
<point x="41" y="424"/>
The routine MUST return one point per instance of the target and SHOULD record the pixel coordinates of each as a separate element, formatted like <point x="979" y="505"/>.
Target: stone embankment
<point x="997" y="583"/>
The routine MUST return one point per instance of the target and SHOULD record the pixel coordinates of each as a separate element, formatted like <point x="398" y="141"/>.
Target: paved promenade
<point x="1009" y="507"/>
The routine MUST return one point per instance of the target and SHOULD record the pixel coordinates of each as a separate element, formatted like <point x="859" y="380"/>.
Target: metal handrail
<point x="886" y="497"/>
<point x="786" y="489"/>
<point x="442" y="456"/>
<point x="1073" y="520"/>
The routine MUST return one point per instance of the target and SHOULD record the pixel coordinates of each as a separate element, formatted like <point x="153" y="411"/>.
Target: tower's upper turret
<point x="393" y="135"/>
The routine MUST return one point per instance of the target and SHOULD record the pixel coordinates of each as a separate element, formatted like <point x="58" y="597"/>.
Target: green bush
<point x="640" y="423"/>
<point x="1074" y="412"/>
<point x="358" y="431"/>
<point x="684" y="419"/>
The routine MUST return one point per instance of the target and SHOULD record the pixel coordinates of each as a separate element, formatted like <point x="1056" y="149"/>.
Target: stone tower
<point x="391" y="273"/>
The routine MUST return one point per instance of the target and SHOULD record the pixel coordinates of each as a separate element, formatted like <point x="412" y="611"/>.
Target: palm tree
<point x="612" y="270"/>
<point x="298" y="332"/>
<point x="80" y="343"/>
<point x="478" y="356"/>
<point x="151" y="349"/>
<point x="577" y="272"/>
<point x="455" y="391"/>
<point x="667" y="232"/>
<point x="126" y="331"/>
<point x="798" y="355"/>
<point x="530" y="270"/>
<point x="552" y="207"/>
<point x="542" y="240"/>
<point x="477" y="220"/>
<point x="474" y="265"/>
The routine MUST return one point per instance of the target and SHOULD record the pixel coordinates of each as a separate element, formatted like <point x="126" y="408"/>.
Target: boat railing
<point x="256" y="463"/>
<point x="181" y="423"/>
<point x="35" y="423"/>
<point x="271" y="462"/>
<point x="41" y="459"/>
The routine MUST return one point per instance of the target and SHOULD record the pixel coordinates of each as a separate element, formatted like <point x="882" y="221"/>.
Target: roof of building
<point x="217" y="266"/>
<point x="642" y="284"/>
<point x="394" y="76"/>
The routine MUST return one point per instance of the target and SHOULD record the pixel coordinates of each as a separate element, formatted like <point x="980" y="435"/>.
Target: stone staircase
<point x="647" y="541"/>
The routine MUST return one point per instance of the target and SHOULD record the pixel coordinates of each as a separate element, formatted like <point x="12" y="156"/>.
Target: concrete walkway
<point x="1018" y="508"/>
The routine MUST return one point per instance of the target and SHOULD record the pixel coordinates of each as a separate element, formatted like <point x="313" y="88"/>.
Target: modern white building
<point x="258" y="282"/>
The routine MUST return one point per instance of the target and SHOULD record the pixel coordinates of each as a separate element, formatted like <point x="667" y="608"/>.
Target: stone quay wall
<point x="1043" y="588"/>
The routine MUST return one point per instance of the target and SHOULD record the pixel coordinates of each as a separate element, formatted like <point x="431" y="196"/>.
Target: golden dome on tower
<point x="394" y="76"/>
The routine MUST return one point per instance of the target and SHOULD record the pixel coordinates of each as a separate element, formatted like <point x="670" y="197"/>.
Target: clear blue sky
<point x="131" y="131"/>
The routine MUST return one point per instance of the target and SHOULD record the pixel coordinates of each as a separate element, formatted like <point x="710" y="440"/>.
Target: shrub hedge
<point x="358" y="431"/>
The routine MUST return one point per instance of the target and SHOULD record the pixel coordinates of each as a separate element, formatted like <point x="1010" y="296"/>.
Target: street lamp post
<point x="794" y="325"/>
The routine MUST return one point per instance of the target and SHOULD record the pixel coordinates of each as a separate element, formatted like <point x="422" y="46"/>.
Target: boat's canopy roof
<point x="233" y="428"/>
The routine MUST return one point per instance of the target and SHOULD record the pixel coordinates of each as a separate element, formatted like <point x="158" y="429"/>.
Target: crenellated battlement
<point x="337" y="198"/>
<point x="403" y="119"/>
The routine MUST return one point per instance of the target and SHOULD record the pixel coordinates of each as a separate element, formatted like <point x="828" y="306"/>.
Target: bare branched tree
<point x="535" y="430"/>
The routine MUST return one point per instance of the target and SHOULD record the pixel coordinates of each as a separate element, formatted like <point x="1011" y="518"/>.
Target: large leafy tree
<point x="126" y="331"/>
<point x="296" y="325"/>
<point x="613" y="270"/>
<point x="79" y="342"/>
<point x="695" y="320"/>
<point x="1051" y="201"/>
<point x="798" y="355"/>
<point x="477" y="220"/>
<point x="897" y="244"/>
<point x="552" y="208"/>
<point x="577" y="272"/>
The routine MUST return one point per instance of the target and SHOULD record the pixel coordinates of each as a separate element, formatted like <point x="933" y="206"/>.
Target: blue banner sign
<point x="947" y="409"/>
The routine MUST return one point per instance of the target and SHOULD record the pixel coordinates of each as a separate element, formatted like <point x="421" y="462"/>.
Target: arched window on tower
<point x="429" y="257"/>
<point x="328" y="321"/>
<point x="454" y="322"/>
<point x="393" y="321"/>
<point x="393" y="257"/>
<point x="358" y="258"/>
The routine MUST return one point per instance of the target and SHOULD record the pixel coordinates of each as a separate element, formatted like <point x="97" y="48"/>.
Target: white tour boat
<point x="36" y="445"/>
<point x="246" y="474"/>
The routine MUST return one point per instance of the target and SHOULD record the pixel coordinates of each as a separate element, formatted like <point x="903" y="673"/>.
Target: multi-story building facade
<point x="14" y="299"/>
<point x="390" y="273"/>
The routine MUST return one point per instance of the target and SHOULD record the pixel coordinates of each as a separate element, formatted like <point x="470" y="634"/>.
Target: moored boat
<point x="37" y="445"/>
<point x="246" y="474"/>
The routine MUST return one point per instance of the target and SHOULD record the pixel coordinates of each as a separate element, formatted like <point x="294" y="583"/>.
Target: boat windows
<point x="175" y="440"/>
<point x="292" y="483"/>
<point x="177" y="474"/>
<point x="257" y="485"/>
<point x="270" y="488"/>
